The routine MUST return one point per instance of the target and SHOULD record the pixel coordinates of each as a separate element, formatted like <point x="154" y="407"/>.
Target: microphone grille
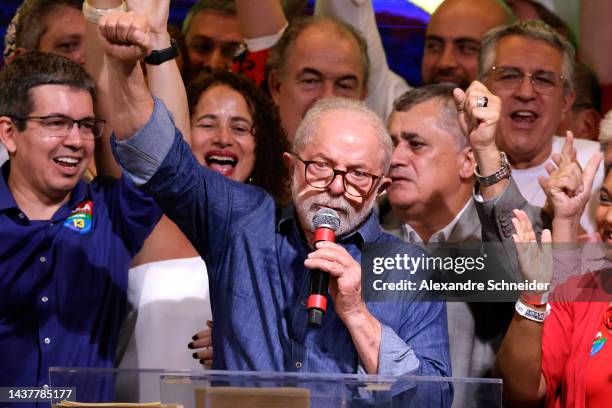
<point x="326" y="218"/>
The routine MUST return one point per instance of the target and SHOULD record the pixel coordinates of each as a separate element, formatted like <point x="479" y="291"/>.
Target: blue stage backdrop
<point x="401" y="24"/>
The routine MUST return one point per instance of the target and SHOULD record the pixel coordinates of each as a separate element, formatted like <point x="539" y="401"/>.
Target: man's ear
<point x="7" y="134"/>
<point x="288" y="160"/>
<point x="467" y="163"/>
<point x="274" y="84"/>
<point x="588" y="124"/>
<point x="568" y="101"/>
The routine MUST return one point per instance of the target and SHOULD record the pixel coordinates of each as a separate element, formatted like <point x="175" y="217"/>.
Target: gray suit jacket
<point x="477" y="329"/>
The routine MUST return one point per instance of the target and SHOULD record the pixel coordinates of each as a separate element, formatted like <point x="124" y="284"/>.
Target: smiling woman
<point x="236" y="131"/>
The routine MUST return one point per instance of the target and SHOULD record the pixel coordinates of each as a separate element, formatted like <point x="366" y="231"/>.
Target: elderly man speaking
<point x="259" y="256"/>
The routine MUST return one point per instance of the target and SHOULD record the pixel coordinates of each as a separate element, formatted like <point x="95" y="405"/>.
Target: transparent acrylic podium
<point x="225" y="389"/>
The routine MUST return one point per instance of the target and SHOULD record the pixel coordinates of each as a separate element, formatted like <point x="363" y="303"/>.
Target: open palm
<point x="535" y="261"/>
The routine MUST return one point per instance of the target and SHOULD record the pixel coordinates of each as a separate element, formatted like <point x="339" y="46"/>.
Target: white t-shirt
<point x="527" y="179"/>
<point x="171" y="303"/>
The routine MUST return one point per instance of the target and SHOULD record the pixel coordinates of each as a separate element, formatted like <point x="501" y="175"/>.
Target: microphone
<point x="325" y="222"/>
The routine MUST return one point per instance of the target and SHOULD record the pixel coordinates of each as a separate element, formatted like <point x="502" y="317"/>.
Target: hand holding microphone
<point x="345" y="283"/>
<point x="325" y="222"/>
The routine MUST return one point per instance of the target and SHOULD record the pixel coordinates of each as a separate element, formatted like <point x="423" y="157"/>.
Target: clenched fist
<point x="125" y="36"/>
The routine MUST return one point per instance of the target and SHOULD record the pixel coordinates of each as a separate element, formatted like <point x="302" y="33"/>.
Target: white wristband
<point x="93" y="14"/>
<point x="532" y="314"/>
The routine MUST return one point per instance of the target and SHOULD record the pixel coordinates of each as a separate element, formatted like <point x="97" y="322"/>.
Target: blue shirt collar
<point x="78" y="194"/>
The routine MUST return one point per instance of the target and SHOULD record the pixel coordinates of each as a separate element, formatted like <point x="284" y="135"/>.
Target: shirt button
<point x="298" y="364"/>
<point x="21" y="216"/>
<point x="51" y="224"/>
<point x="44" y="299"/>
<point x="42" y="259"/>
<point x="47" y="340"/>
<point x="46" y="386"/>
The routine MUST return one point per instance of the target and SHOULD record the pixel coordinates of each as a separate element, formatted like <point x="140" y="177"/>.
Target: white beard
<point x="350" y="218"/>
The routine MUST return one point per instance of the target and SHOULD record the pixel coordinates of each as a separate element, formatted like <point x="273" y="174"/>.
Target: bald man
<point x="453" y="36"/>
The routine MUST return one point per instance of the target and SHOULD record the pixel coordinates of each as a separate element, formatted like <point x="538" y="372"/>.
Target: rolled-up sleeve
<point x="141" y="155"/>
<point x="395" y="356"/>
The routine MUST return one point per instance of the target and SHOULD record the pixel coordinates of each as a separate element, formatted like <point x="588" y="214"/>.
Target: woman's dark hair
<point x="269" y="171"/>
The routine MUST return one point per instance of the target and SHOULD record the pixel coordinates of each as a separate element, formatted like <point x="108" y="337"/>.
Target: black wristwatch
<point x="503" y="172"/>
<point x="158" y="57"/>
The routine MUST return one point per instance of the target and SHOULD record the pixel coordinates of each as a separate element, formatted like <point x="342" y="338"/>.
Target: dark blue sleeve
<point x="134" y="213"/>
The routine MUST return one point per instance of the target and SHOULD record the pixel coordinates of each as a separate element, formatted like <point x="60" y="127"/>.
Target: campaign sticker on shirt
<point x="80" y="218"/>
<point x="598" y="344"/>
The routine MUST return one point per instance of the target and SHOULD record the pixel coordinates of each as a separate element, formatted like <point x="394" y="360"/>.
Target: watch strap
<point x="503" y="172"/>
<point x="158" y="57"/>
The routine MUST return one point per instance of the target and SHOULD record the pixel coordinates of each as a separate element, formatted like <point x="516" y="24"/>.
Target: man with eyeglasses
<point x="65" y="245"/>
<point x="260" y="256"/>
<point x="530" y="67"/>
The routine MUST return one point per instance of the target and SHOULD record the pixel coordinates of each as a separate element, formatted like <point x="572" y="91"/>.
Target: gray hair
<point x="315" y="114"/>
<point x="532" y="29"/>
<point x="441" y="93"/>
<point x="278" y="54"/>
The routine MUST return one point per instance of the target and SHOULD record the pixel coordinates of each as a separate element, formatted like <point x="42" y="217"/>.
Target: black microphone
<point x="325" y="222"/>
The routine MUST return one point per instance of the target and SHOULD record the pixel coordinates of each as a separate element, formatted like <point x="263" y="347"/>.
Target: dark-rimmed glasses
<point x="319" y="174"/>
<point x="61" y="126"/>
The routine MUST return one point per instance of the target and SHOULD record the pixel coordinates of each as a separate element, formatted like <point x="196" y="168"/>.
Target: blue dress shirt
<point x="63" y="281"/>
<point x="255" y="255"/>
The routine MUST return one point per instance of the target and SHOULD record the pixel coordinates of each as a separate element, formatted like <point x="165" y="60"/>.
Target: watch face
<point x="502" y="173"/>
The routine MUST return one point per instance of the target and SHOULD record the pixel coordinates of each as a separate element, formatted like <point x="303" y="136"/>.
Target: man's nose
<point x="336" y="187"/>
<point x="447" y="58"/>
<point x="525" y="89"/>
<point x="217" y="59"/>
<point x="74" y="138"/>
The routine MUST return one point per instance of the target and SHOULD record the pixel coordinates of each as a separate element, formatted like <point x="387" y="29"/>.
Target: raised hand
<point x="568" y="187"/>
<point x="479" y="124"/>
<point x="125" y="37"/>
<point x="156" y="11"/>
<point x="535" y="261"/>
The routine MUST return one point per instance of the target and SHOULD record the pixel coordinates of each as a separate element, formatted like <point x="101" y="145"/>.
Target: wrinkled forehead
<point x="345" y="138"/>
<point x="325" y="47"/>
<point x="64" y="18"/>
<point x="529" y="54"/>
<point x="432" y="121"/>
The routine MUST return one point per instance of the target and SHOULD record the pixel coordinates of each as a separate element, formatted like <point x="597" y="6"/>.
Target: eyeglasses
<point x="61" y="126"/>
<point x="318" y="174"/>
<point x="237" y="129"/>
<point x="543" y="82"/>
